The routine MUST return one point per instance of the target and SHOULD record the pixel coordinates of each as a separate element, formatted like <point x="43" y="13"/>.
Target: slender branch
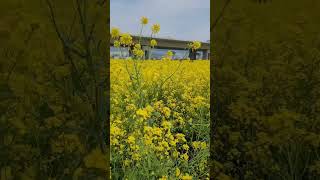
<point x="82" y="16"/>
<point x="171" y="75"/>
<point x="75" y="51"/>
<point x="72" y="25"/>
<point x="220" y="15"/>
<point x="67" y="47"/>
<point x="53" y="19"/>
<point x="77" y="72"/>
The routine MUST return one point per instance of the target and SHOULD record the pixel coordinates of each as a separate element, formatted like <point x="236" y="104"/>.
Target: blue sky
<point x="179" y="19"/>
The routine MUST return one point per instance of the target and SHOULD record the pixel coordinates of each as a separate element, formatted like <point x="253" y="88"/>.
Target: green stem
<point x="150" y="48"/>
<point x="170" y="75"/>
<point x="140" y="34"/>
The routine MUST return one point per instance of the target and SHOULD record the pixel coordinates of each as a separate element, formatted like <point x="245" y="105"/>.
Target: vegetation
<point x="160" y="126"/>
<point x="159" y="113"/>
<point x="53" y="109"/>
<point x="266" y="92"/>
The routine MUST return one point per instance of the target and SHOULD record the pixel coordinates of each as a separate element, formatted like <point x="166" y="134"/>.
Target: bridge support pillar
<point x="192" y="55"/>
<point x="130" y="49"/>
<point x="205" y="54"/>
<point x="146" y="52"/>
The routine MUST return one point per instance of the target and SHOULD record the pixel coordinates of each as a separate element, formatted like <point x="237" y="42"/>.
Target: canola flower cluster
<point x="126" y="40"/>
<point x="159" y="113"/>
<point x="160" y="125"/>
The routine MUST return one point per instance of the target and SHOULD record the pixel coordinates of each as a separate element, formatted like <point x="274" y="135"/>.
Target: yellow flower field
<point x="159" y="119"/>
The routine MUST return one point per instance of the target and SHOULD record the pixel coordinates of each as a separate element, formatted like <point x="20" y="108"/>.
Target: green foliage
<point x="267" y="75"/>
<point x="51" y="96"/>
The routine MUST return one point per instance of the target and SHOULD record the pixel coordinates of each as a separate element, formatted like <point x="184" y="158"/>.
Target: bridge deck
<point x="168" y="43"/>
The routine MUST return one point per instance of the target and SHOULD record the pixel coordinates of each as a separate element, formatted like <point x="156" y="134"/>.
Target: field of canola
<point x="160" y="119"/>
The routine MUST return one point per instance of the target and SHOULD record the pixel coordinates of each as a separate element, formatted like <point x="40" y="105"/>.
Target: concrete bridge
<point x="171" y="44"/>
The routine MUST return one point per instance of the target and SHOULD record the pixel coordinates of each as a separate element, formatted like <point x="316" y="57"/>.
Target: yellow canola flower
<point x="144" y="20"/>
<point x="131" y="107"/>
<point x="166" y="124"/>
<point x="178" y="172"/>
<point x="136" y="156"/>
<point x="138" y="46"/>
<point x="164" y="144"/>
<point x="168" y="56"/>
<point x="126" y="39"/>
<point x="159" y="148"/>
<point x="148" y="141"/>
<point x="155" y="28"/>
<point x="147" y="129"/>
<point x="131" y="140"/>
<point x="170" y="53"/>
<point x="127" y="162"/>
<point x="115" y="32"/>
<point x="166" y="111"/>
<point x="143" y="113"/>
<point x="185" y="156"/>
<point x="163" y="178"/>
<point x="196" y="144"/>
<point x="186" y="177"/>
<point x="95" y="159"/>
<point x="153" y="43"/>
<point x="175" y="154"/>
<point x="116" y="44"/>
<point x="157" y="131"/>
<point x="139" y="53"/>
<point x="195" y="45"/>
<point x="185" y="147"/>
<point x="173" y="142"/>
<point x="181" y="137"/>
<point x="149" y="109"/>
<point x="203" y="145"/>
